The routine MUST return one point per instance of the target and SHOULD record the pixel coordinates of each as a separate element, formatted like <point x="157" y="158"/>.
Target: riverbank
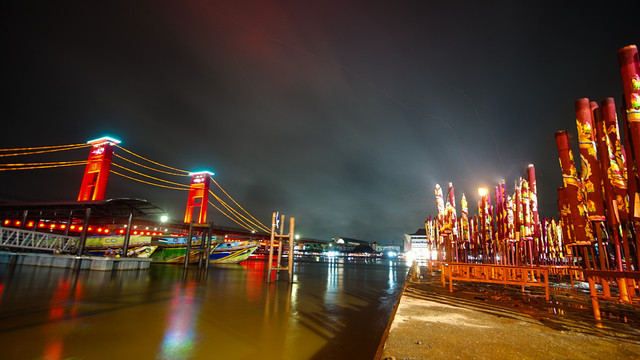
<point x="480" y="321"/>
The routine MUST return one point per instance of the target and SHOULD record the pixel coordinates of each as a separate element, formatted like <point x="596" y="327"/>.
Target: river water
<point x="334" y="309"/>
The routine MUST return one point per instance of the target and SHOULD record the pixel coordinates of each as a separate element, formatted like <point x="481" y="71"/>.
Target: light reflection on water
<point x="178" y="342"/>
<point x="334" y="309"/>
<point x="392" y="276"/>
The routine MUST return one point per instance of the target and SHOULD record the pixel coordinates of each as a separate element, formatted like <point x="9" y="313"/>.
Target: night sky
<point x="344" y="114"/>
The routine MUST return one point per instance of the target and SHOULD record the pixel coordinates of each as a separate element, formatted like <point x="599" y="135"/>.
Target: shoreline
<point x="483" y="321"/>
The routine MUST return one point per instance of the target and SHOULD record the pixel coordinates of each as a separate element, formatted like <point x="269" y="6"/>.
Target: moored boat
<point x="233" y="252"/>
<point x="139" y="245"/>
<point x="173" y="250"/>
<point x="170" y="249"/>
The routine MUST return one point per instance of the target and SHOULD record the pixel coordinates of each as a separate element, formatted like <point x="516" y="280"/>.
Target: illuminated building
<point x="416" y="244"/>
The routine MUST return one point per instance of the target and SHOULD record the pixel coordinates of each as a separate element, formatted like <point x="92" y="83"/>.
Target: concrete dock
<point x="97" y="263"/>
<point x="480" y="321"/>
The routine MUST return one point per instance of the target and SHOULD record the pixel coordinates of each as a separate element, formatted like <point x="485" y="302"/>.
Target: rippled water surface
<point x="333" y="310"/>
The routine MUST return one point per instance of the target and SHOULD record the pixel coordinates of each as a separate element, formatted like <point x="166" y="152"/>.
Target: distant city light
<point x="332" y="253"/>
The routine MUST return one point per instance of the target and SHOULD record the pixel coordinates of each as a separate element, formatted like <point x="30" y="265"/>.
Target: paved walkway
<point x="480" y="321"/>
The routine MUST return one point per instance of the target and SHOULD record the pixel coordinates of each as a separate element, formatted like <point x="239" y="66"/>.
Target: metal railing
<point x="33" y="240"/>
<point x="497" y="274"/>
<point x="560" y="272"/>
<point x="627" y="283"/>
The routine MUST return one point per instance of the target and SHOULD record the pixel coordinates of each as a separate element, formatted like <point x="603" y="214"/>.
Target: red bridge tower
<point x="96" y="174"/>
<point x="198" y="196"/>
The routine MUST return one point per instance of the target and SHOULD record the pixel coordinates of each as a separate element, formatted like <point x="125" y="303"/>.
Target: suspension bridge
<point x="51" y="227"/>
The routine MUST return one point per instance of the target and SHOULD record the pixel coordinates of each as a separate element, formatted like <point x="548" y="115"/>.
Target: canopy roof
<point x="110" y="210"/>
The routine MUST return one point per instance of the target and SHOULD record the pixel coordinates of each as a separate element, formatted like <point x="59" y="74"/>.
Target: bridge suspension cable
<point x="243" y="209"/>
<point x="45" y="165"/>
<point x="250" y="223"/>
<point x="239" y="216"/>
<point x="229" y="217"/>
<point x="182" y="186"/>
<point x="231" y="210"/>
<point x="149" y="167"/>
<point x="151" y="161"/>
<point x="41" y="149"/>
<point x="147" y="182"/>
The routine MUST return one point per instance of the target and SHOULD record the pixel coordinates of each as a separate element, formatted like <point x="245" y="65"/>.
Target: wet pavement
<point x="486" y="321"/>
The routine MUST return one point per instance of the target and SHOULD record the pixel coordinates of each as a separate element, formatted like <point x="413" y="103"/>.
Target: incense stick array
<point x="599" y="206"/>
<point x="505" y="231"/>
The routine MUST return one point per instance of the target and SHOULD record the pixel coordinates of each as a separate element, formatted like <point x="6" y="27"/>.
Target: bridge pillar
<point x="96" y="173"/>
<point x="198" y="196"/>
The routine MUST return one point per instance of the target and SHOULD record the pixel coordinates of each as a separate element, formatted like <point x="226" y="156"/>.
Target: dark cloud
<point x="342" y="114"/>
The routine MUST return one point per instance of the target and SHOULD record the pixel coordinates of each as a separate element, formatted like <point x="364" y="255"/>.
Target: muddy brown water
<point x="334" y="309"/>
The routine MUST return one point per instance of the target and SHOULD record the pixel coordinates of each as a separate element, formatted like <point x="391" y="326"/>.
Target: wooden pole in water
<point x="292" y="225"/>
<point x="270" y="259"/>
<point x="280" y="241"/>
<point x="127" y="236"/>
<point x="83" y="234"/>
<point x="208" y="248"/>
<point x="188" y="252"/>
<point x="201" y="247"/>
